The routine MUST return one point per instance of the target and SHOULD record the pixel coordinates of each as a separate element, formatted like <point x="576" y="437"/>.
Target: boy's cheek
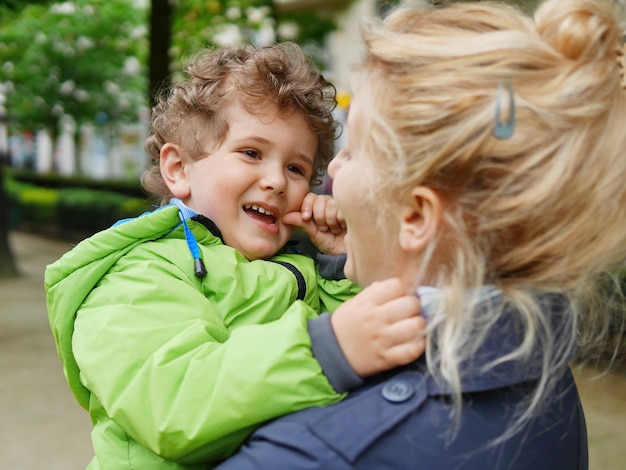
<point x="288" y="231"/>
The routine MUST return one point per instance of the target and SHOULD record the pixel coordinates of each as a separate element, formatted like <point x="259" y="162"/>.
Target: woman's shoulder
<point x="399" y="418"/>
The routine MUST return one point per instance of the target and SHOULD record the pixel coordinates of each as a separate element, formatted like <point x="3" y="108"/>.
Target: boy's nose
<point x="274" y="180"/>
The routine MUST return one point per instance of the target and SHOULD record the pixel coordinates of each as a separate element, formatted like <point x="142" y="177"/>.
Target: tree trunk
<point x="160" y="39"/>
<point x="7" y="260"/>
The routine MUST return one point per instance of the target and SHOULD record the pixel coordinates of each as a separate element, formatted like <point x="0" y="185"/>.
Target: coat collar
<point x="491" y="366"/>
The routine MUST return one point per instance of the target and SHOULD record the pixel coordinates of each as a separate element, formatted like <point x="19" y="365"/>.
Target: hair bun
<point x="580" y="29"/>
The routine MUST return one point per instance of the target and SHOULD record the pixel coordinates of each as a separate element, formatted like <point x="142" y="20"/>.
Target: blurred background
<point x="77" y="80"/>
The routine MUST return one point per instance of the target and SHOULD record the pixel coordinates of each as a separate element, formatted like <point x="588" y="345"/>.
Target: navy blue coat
<point x="404" y="420"/>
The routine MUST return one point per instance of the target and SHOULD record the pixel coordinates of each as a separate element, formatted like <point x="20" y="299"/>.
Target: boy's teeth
<point x="254" y="207"/>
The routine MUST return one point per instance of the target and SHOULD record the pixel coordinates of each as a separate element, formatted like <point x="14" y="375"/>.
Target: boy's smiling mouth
<point x="265" y="215"/>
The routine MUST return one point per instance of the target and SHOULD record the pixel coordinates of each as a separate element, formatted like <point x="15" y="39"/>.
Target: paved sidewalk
<point x="42" y="427"/>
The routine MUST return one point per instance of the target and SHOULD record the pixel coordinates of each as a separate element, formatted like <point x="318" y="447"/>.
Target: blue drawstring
<point x="185" y="213"/>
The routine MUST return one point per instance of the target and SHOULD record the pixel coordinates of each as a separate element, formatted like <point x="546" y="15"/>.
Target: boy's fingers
<point x="319" y="206"/>
<point x="334" y="218"/>
<point x="307" y="207"/>
<point x="293" y="218"/>
<point x="321" y="212"/>
<point x="333" y="222"/>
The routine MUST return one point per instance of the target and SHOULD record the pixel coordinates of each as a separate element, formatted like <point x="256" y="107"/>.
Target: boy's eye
<point x="251" y="153"/>
<point x="296" y="169"/>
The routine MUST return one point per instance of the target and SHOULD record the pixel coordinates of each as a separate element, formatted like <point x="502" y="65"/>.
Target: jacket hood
<point x="69" y="280"/>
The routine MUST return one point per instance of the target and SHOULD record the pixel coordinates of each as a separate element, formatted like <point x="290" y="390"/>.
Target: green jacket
<point x="175" y="370"/>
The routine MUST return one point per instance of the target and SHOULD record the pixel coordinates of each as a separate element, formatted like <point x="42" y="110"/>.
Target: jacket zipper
<point x="299" y="278"/>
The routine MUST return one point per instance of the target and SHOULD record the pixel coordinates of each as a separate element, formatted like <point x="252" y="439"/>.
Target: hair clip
<point x="504" y="129"/>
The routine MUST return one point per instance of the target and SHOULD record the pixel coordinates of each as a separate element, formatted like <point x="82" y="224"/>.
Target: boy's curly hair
<point x="192" y="111"/>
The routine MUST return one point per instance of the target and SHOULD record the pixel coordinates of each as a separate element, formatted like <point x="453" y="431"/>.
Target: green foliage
<point x="202" y="23"/>
<point x="213" y="23"/>
<point x="53" y="180"/>
<point x="39" y="204"/>
<point x="312" y="28"/>
<point x="13" y="187"/>
<point x="16" y="5"/>
<point x="78" y="210"/>
<point x="89" y="210"/>
<point x="132" y="207"/>
<point x="81" y="58"/>
<point x="87" y="58"/>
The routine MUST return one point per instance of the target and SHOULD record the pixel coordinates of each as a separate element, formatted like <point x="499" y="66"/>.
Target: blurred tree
<point x="160" y="39"/>
<point x="213" y="23"/>
<point x="8" y="267"/>
<point x="86" y="58"/>
<point x="82" y="59"/>
<point x="17" y="5"/>
<point x="7" y="260"/>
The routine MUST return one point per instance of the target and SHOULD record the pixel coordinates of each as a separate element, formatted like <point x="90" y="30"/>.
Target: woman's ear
<point x="173" y="171"/>
<point x="420" y="219"/>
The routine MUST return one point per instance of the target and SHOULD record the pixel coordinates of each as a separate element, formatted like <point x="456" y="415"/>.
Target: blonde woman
<point x="485" y="165"/>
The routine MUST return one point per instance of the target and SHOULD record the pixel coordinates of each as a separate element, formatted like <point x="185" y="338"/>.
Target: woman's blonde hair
<point x="279" y="75"/>
<point x="543" y="211"/>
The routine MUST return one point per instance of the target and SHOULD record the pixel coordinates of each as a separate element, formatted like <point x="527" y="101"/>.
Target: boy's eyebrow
<point x="306" y="158"/>
<point x="263" y="140"/>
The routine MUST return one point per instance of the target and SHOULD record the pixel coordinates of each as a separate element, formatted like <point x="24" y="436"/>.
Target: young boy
<point x="184" y="329"/>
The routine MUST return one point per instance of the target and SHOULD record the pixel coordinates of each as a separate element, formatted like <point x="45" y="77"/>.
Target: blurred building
<point x="344" y="44"/>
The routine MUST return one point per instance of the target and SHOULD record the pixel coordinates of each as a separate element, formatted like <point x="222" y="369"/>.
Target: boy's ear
<point x="172" y="164"/>
<point x="420" y="219"/>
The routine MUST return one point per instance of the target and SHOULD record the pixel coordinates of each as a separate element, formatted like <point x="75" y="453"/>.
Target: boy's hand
<point x="380" y="328"/>
<point x="322" y="222"/>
